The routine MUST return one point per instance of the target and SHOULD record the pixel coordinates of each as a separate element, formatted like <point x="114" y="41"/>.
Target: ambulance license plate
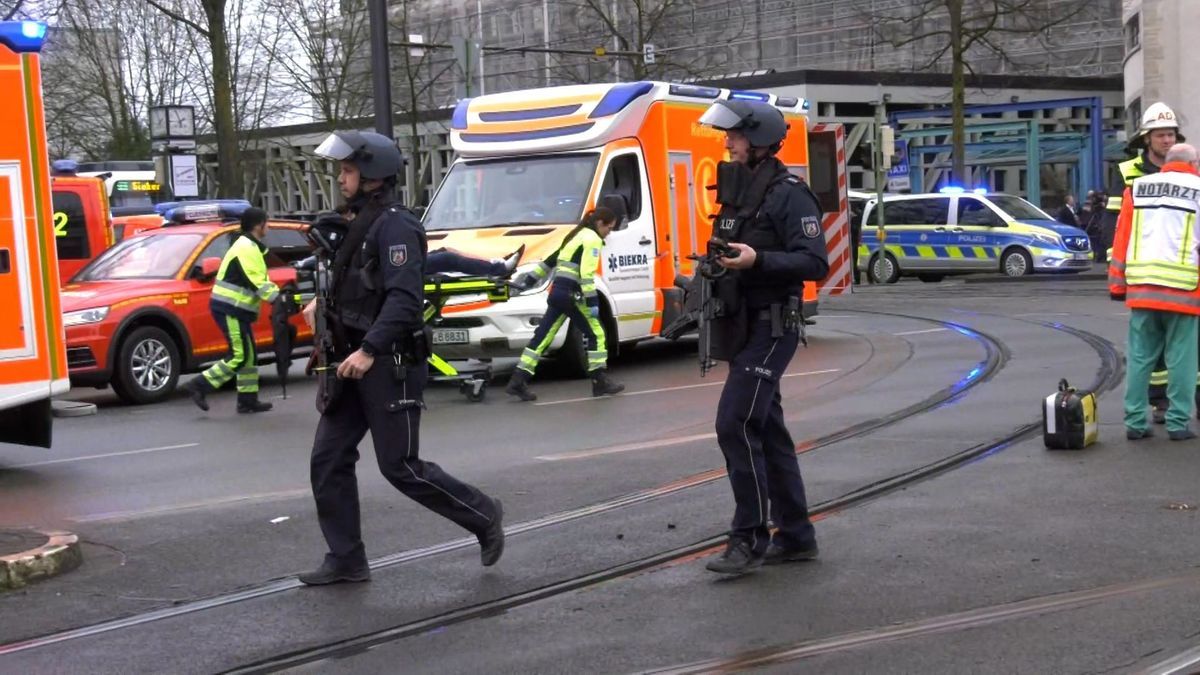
<point x="446" y="336"/>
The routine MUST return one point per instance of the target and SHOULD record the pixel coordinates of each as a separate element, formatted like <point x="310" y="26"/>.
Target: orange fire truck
<point x="33" y="360"/>
<point x="531" y="162"/>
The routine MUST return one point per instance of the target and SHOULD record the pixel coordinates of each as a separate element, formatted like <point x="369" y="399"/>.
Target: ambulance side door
<point x="627" y="260"/>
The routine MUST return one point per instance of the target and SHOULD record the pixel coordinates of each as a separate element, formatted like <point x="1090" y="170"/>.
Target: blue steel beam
<point x="1094" y="104"/>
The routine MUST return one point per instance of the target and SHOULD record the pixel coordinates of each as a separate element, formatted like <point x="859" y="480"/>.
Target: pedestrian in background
<point x="1066" y="214"/>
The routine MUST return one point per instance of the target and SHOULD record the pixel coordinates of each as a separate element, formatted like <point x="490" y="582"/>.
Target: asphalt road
<point x="176" y="506"/>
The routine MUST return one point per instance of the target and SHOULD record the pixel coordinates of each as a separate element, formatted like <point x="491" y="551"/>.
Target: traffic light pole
<point x="381" y="69"/>
<point x="880" y="179"/>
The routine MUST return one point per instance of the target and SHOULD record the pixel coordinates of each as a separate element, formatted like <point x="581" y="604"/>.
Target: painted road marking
<point x="86" y="458"/>
<point x="679" y="388"/>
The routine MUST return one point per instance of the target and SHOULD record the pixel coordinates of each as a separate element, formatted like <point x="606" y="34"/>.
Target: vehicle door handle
<point x="939" y="229"/>
<point x="957" y="229"/>
<point x="645" y="241"/>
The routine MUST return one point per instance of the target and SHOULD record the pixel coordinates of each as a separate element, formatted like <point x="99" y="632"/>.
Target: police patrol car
<point x="957" y="231"/>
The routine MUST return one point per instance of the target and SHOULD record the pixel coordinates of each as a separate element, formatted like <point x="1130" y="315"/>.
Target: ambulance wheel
<point x="885" y="269"/>
<point x="1016" y="263"/>
<point x="147" y="367"/>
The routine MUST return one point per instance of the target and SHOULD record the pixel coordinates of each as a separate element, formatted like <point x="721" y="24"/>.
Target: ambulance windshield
<point x="547" y="189"/>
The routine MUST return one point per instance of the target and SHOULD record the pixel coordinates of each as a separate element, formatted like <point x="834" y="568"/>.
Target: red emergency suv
<point x="137" y="316"/>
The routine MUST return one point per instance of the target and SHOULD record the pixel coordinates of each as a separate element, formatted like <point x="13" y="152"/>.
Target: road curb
<point x="60" y="554"/>
<point x="72" y="408"/>
<point x="1034" y="278"/>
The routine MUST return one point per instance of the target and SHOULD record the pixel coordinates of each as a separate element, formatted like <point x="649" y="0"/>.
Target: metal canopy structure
<point x="1015" y="142"/>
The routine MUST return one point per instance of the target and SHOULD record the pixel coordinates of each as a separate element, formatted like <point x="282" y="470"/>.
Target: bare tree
<point x="969" y="32"/>
<point x="627" y="26"/>
<point x="104" y="64"/>
<point x="419" y="85"/>
<point x="318" y="54"/>
<point x="211" y="24"/>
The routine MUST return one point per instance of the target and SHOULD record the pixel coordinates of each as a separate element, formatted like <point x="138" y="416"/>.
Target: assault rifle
<point x="325" y="235"/>
<point x="710" y="307"/>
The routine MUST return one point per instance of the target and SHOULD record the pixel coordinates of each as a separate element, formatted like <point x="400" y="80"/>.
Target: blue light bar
<point x="787" y="102"/>
<point x="749" y="96"/>
<point x="23" y="36"/>
<point x="951" y="190"/>
<point x="693" y="91"/>
<point x="618" y="97"/>
<point x="459" y="120"/>
<point x="163" y="207"/>
<point x="980" y="191"/>
<point x="199" y="212"/>
<point x="64" y="167"/>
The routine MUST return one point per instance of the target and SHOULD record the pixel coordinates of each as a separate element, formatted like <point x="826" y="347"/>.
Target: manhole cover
<point x="19" y="541"/>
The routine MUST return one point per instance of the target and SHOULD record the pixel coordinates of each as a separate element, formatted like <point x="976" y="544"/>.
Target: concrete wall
<point x="1156" y="70"/>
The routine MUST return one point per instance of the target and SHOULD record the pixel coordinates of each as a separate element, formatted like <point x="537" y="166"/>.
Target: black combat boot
<point x="777" y="555"/>
<point x="491" y="541"/>
<point x="198" y="388"/>
<point x="737" y="559"/>
<point x="518" y="385"/>
<point x="603" y="385"/>
<point x="249" y="403"/>
<point x="330" y="572"/>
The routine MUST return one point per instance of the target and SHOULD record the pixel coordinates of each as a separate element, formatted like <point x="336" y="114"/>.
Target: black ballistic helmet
<point x="762" y="123"/>
<point x="375" y="155"/>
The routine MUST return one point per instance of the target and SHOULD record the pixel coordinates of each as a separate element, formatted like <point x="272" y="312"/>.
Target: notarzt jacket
<point x="1156" y="255"/>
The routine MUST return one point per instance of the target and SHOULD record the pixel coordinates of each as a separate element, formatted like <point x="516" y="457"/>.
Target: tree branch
<point x="175" y="16"/>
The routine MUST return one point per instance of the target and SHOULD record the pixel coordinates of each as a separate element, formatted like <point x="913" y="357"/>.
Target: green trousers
<point x="1173" y="336"/>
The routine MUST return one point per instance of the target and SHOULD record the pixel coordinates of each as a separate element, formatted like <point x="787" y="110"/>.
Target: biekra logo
<point x="616" y="262"/>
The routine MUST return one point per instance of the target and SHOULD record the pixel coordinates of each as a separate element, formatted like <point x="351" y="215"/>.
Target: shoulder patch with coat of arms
<point x="812" y="226"/>
<point x="398" y="255"/>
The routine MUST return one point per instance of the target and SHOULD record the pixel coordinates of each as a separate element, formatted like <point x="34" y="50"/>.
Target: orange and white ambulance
<point x="530" y="163"/>
<point x="33" y="359"/>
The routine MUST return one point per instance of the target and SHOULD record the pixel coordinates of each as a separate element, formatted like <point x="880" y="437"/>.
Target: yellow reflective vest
<point x="242" y="281"/>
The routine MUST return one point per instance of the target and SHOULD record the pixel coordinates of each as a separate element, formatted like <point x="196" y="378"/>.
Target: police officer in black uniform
<point x="377" y="295"/>
<point x="773" y="225"/>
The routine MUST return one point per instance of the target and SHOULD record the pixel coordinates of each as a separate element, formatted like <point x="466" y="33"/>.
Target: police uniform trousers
<point x="241" y="360"/>
<point x="391" y="410"/>
<point x="560" y="306"/>
<point x="759" y="453"/>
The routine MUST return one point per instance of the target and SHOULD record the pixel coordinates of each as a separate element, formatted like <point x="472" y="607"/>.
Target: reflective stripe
<point x="1162" y="296"/>
<point x="1116" y="264"/>
<point x="1158" y="377"/>
<point x="268" y="291"/>
<point x="234" y="296"/>
<point x="1114" y="204"/>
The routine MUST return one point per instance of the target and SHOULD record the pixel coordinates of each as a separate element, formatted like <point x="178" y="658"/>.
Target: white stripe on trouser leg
<point x="408" y="452"/>
<point x="750" y="450"/>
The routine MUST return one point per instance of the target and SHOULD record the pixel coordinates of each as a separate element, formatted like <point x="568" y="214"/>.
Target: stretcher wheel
<point x="474" y="389"/>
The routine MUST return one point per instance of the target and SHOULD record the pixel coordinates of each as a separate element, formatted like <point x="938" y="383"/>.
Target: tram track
<point x="1107" y="377"/>
<point x="995" y="355"/>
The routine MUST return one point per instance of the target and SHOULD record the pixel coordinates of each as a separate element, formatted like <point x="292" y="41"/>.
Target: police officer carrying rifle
<point x="376" y="302"/>
<point x="768" y="236"/>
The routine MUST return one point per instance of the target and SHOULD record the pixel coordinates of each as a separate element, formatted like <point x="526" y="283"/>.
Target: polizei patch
<point x="812" y="227"/>
<point x="398" y="254"/>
